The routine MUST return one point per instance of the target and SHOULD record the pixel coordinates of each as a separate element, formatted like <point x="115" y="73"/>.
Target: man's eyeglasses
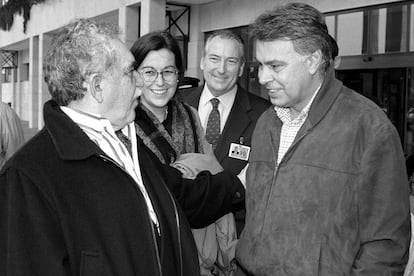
<point x="149" y="74"/>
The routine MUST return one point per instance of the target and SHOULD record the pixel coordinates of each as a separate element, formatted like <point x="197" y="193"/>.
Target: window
<point x="350" y="23"/>
<point x="330" y="23"/>
<point x="24" y="73"/>
<point x="374" y="30"/>
<point x="411" y="34"/>
<point x="3" y="2"/>
<point x="7" y="74"/>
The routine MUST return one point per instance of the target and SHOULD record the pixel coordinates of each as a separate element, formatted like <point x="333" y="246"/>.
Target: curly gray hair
<point x="78" y="50"/>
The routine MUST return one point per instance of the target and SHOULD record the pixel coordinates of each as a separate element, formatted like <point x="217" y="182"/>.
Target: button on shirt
<point x="290" y="127"/>
<point x="205" y="107"/>
<point x="100" y="131"/>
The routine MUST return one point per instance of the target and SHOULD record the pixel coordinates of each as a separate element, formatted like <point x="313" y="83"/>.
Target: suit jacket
<point x="66" y="208"/>
<point x="242" y="119"/>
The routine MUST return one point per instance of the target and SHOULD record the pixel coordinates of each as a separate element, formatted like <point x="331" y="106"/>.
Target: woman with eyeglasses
<point x="167" y="126"/>
<point x="172" y="133"/>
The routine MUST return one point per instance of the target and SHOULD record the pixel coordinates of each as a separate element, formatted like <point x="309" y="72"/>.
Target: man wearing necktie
<point x="231" y="125"/>
<point x="213" y="124"/>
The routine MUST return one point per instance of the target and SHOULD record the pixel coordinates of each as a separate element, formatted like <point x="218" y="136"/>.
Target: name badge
<point x="239" y="151"/>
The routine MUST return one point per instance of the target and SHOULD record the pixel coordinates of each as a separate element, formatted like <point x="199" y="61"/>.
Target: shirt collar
<point x="226" y="99"/>
<point x="89" y="120"/>
<point x="284" y="113"/>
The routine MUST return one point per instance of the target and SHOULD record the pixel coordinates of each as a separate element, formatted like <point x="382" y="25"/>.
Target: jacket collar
<point x="193" y="96"/>
<point x="329" y="91"/>
<point x="242" y="99"/>
<point x="70" y="141"/>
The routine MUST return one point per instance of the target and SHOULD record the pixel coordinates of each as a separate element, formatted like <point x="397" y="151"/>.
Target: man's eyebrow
<point x="233" y="57"/>
<point x="273" y="62"/>
<point x="170" y="67"/>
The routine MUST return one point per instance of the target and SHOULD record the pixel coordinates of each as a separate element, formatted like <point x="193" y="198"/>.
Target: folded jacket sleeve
<point x="207" y="197"/>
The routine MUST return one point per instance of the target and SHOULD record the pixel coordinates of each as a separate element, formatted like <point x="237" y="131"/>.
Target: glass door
<point x="388" y="89"/>
<point x="409" y="134"/>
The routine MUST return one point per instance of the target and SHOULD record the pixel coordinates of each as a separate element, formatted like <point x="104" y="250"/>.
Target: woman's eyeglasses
<point x="149" y="74"/>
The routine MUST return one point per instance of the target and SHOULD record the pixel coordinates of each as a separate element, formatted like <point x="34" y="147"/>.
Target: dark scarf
<point x="183" y="136"/>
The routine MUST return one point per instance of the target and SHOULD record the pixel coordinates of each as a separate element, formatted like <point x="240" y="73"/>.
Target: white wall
<point x="24" y="55"/>
<point x="25" y="98"/>
<point x="51" y="15"/>
<point x="7" y="92"/>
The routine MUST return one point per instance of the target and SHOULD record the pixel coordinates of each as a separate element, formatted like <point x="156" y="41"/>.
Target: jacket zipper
<point x="271" y="187"/>
<point x="177" y="221"/>
<point x="105" y="158"/>
<point x="277" y="170"/>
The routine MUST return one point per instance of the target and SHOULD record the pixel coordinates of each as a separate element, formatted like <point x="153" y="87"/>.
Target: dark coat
<point x="242" y="119"/>
<point x="68" y="209"/>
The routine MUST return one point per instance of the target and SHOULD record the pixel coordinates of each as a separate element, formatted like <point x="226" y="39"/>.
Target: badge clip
<point x="239" y="151"/>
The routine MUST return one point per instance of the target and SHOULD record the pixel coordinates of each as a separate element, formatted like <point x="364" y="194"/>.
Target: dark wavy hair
<point x="78" y="50"/>
<point x="334" y="47"/>
<point x="297" y="22"/>
<point x="155" y="41"/>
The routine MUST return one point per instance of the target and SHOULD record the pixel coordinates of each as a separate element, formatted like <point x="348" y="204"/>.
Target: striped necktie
<point x="213" y="124"/>
<point x="125" y="140"/>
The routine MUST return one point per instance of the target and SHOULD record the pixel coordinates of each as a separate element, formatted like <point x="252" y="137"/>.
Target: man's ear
<point x="241" y="70"/>
<point x="314" y="61"/>
<point x="95" y="87"/>
<point x="337" y="62"/>
<point x="202" y="63"/>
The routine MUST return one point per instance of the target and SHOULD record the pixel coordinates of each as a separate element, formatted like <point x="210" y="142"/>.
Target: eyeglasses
<point x="149" y="74"/>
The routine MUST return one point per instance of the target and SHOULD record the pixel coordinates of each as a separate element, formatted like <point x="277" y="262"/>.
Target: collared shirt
<point x="224" y="107"/>
<point x="101" y="132"/>
<point x="290" y="127"/>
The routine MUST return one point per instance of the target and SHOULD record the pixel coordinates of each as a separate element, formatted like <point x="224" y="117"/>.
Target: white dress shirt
<point x="224" y="107"/>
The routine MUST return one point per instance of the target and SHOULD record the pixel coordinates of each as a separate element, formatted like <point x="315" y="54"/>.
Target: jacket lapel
<point x="237" y="122"/>
<point x="329" y="91"/>
<point x="192" y="97"/>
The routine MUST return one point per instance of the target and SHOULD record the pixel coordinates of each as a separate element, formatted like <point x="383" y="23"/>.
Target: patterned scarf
<point x="185" y="135"/>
